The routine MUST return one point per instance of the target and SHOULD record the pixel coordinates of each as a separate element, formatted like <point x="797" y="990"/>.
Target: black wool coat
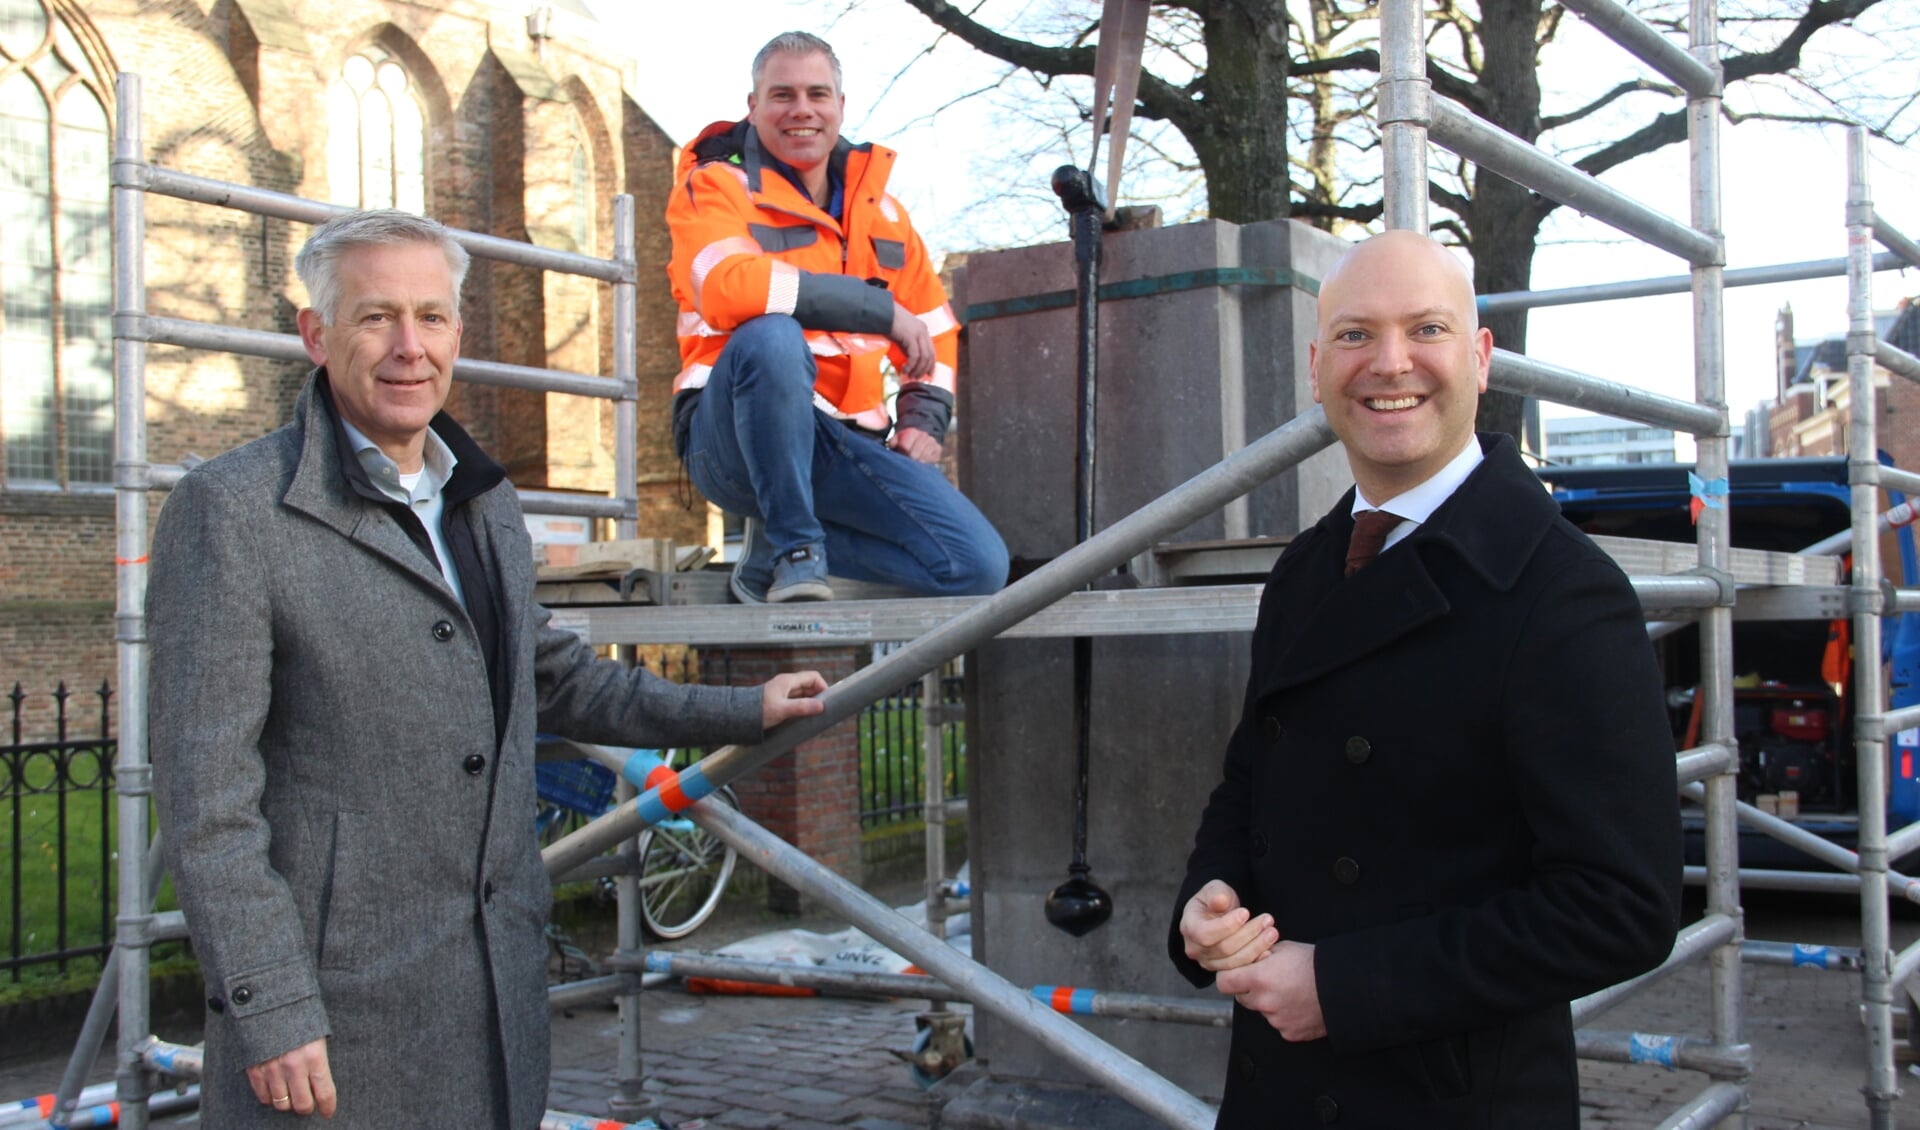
<point x="1454" y="777"/>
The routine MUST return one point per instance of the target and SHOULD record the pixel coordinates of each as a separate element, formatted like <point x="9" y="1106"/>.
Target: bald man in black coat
<point x="1449" y="807"/>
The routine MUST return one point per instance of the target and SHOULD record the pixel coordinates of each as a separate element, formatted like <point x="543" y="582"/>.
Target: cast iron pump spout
<point x="1079" y="905"/>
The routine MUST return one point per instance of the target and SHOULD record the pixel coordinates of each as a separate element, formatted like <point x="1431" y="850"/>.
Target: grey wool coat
<point x="344" y="773"/>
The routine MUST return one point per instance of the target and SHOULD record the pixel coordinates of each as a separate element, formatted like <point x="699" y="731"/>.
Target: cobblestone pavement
<point x="802" y="1063"/>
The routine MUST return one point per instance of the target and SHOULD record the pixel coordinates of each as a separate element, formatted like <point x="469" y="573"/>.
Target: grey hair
<point x="318" y="261"/>
<point x="795" y="43"/>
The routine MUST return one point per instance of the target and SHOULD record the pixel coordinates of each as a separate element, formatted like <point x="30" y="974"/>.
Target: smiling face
<point x="796" y="107"/>
<point x="1400" y="360"/>
<point x="390" y="349"/>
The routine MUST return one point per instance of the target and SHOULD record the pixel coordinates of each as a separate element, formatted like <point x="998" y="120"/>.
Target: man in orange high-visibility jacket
<point x="797" y="275"/>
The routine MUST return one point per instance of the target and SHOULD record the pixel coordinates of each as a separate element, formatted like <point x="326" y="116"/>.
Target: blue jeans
<point x="758" y="447"/>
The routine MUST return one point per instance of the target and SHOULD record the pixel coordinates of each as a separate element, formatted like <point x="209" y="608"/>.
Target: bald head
<point x="1399" y="360"/>
<point x="1396" y="254"/>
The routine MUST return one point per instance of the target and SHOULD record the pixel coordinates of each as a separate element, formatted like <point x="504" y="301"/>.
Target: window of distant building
<point x="56" y="267"/>
<point x="377" y="135"/>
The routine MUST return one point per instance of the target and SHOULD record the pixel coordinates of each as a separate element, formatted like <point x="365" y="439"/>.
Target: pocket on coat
<point x="1447" y="1064"/>
<point x="891" y="254"/>
<point x="349" y="898"/>
<point x="775" y="238"/>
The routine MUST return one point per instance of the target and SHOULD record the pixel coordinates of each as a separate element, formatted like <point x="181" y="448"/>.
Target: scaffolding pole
<point x="1206" y="492"/>
<point x="1105" y="1064"/>
<point x="132" y="773"/>
<point x="1869" y="689"/>
<point x="1715" y="543"/>
<point x="1889" y="236"/>
<point x="1408" y="115"/>
<point x="1649" y="46"/>
<point x="1897" y="360"/>
<point x="1405" y="113"/>
<point x="1675" y="284"/>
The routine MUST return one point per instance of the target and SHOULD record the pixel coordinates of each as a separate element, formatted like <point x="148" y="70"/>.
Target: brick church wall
<point x="235" y="90"/>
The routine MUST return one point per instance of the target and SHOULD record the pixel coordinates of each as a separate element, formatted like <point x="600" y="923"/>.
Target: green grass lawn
<point x="892" y="757"/>
<point x="89" y="873"/>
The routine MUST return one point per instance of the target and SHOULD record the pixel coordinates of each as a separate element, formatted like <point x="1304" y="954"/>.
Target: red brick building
<point x="476" y="113"/>
<point x="1810" y="412"/>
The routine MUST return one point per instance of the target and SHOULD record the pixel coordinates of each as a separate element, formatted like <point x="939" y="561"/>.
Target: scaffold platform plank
<point x="1162" y="611"/>
<point x="1778" y="586"/>
<point x="1792" y="587"/>
<point x="1639" y="557"/>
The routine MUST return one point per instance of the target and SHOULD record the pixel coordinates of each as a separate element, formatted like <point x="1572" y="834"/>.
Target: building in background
<point x="1574" y="441"/>
<point x="1810" y="411"/>
<point x="512" y="119"/>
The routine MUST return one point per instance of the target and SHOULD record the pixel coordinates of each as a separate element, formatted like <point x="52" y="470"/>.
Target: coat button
<point x="1274" y="730"/>
<point x="216" y="1004"/>
<point x="1327" y="1109"/>
<point x="474" y="764"/>
<point x="1358" y="750"/>
<point x="486" y="891"/>
<point x="1243" y="1066"/>
<point x="1258" y="841"/>
<point x="241" y="995"/>
<point x="1346" y="870"/>
<point x="442" y="631"/>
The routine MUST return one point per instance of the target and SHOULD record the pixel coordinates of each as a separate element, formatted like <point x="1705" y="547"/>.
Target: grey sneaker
<point x="754" y="571"/>
<point x="800" y="575"/>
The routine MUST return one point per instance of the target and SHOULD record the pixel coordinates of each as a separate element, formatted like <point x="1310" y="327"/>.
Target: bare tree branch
<point x="1444" y="81"/>
<point x="1785" y="55"/>
<point x="1637" y="86"/>
<point x="1454" y="202"/>
<point x="1160" y="98"/>
<point x="1670" y="128"/>
<point x="1320" y="210"/>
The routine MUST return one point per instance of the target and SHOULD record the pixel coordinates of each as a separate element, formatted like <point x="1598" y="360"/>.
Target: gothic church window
<point x="56" y="267"/>
<point x="377" y="135"/>
<point x="582" y="201"/>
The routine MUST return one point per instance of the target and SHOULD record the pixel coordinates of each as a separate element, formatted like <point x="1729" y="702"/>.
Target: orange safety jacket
<point x="746" y="243"/>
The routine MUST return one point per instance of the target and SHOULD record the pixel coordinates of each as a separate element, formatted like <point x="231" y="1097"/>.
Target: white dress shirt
<point x="419" y="491"/>
<point x="1417" y="505"/>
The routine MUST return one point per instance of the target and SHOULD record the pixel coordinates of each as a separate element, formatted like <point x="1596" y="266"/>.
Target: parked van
<point x="1793" y="692"/>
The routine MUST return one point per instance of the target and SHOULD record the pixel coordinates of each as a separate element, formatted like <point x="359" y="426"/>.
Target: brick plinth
<point x="811" y="796"/>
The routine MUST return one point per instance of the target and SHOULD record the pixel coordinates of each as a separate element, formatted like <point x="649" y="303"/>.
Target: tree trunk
<point x="1503" y="221"/>
<point x="1322" y="180"/>
<point x="1242" y="137"/>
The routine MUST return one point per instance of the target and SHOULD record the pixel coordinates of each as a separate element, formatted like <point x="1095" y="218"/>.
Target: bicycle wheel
<point x="683" y="874"/>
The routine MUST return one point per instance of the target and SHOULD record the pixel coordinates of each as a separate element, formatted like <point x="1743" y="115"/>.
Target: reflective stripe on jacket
<point x="747" y="243"/>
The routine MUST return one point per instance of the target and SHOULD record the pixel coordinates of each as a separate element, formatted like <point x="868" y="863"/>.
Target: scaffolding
<point x="1049" y="601"/>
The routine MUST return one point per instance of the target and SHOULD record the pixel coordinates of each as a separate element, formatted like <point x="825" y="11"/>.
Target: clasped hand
<point x="1251" y="964"/>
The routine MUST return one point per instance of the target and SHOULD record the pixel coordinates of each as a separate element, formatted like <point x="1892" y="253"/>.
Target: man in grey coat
<point x="348" y="670"/>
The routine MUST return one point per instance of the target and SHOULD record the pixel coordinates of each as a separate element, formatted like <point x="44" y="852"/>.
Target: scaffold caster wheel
<point x="927" y="1065"/>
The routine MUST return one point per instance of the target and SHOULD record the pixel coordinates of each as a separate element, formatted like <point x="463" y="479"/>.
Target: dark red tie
<point x="1370" y="530"/>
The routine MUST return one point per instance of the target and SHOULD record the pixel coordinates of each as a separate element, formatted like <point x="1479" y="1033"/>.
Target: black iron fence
<point x="58" y="812"/>
<point x="893" y="758"/>
<point x="892" y="737"/>
<point x="57" y="817"/>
